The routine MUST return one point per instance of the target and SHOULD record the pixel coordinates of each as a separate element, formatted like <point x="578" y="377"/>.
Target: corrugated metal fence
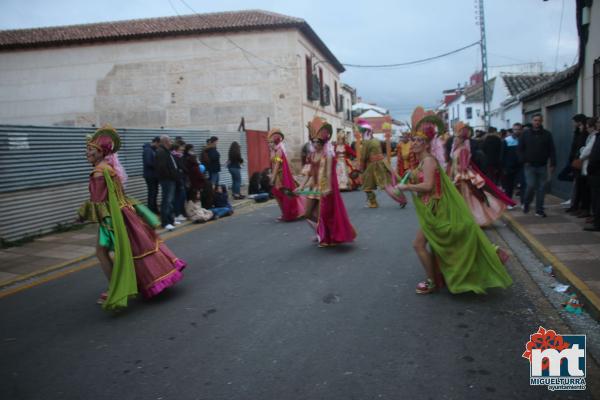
<point x="44" y="172"/>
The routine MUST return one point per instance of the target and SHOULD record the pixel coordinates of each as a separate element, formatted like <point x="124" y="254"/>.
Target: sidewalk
<point x="56" y="251"/>
<point x="559" y="240"/>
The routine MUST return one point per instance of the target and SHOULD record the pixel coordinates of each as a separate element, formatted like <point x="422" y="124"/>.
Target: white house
<point x="202" y="71"/>
<point x="506" y="106"/>
<point x="467" y="107"/>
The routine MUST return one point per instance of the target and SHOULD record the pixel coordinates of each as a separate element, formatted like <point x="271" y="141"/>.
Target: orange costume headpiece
<point x="319" y="128"/>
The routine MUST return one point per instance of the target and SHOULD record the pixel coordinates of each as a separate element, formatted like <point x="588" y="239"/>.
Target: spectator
<point x="593" y="172"/>
<point x="234" y="165"/>
<point x="166" y="172"/>
<point x="580" y="136"/>
<point x="213" y="160"/>
<point x="149" y="156"/>
<point x="194" y="210"/>
<point x="538" y="155"/>
<point x="195" y="177"/>
<point x="583" y="188"/>
<point x="491" y="146"/>
<point x="265" y="182"/>
<point x="512" y="173"/>
<point x="221" y="206"/>
<point x="180" y="183"/>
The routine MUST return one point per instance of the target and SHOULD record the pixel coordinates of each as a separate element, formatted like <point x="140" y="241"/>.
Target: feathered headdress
<point x="106" y="139"/>
<point x="426" y="127"/>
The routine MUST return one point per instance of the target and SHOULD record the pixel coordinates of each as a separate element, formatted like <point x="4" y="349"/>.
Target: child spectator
<point x="194" y="210"/>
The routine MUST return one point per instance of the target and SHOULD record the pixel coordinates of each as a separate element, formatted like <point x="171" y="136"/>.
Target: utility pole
<point x="480" y="20"/>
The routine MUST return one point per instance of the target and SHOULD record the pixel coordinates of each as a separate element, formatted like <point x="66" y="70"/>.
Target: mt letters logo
<point x="556" y="361"/>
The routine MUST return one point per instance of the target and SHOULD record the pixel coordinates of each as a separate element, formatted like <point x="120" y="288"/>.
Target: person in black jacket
<point x="491" y="145"/>
<point x="213" y="159"/>
<point x="166" y="172"/>
<point x="148" y="157"/>
<point x="512" y="169"/>
<point x="593" y="172"/>
<point x="578" y="192"/>
<point x="538" y="155"/>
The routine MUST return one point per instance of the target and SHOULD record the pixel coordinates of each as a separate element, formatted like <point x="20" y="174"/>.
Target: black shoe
<point x="525" y="208"/>
<point x="540" y="214"/>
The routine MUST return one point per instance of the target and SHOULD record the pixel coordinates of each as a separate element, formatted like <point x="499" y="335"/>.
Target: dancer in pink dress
<point x="485" y="200"/>
<point x="282" y="180"/>
<point x="142" y="263"/>
<point x="325" y="209"/>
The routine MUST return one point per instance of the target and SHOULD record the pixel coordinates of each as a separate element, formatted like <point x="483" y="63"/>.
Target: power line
<point x="423" y="60"/>
<point x="562" y="10"/>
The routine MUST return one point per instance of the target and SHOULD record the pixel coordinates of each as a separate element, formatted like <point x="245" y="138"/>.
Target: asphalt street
<point x="264" y="314"/>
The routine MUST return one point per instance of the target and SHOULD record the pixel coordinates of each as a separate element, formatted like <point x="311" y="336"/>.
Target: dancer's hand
<point x="326" y="192"/>
<point x="402" y="186"/>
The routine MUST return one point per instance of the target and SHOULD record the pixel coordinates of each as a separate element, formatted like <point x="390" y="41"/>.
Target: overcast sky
<point x="372" y="32"/>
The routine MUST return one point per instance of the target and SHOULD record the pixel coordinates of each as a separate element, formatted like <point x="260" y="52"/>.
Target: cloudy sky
<point x="373" y="32"/>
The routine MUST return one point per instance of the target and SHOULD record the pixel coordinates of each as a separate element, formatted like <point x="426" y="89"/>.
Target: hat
<point x="273" y="132"/>
<point x="319" y="128"/>
<point x="212" y="139"/>
<point x="364" y="125"/>
<point x="156" y="139"/>
<point x="106" y="139"/>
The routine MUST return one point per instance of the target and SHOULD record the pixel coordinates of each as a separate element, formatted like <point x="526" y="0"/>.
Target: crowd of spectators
<point x="189" y="186"/>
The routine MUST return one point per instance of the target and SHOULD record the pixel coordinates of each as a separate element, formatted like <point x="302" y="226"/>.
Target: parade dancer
<point x="325" y="209"/>
<point x="404" y="155"/>
<point x="142" y="262"/>
<point x="377" y="172"/>
<point x="282" y="180"/>
<point x="346" y="174"/>
<point x="460" y="250"/>
<point x="485" y="200"/>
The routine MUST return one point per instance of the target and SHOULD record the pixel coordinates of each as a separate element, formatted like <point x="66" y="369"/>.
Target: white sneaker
<point x="177" y="222"/>
<point x="169" y="227"/>
<point x="180" y="218"/>
<point x="510" y="208"/>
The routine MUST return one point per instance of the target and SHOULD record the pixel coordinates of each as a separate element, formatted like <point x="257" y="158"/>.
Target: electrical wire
<point x="562" y="11"/>
<point x="421" y="61"/>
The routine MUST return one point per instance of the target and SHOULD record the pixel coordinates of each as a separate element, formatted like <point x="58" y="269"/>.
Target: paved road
<point x="265" y="314"/>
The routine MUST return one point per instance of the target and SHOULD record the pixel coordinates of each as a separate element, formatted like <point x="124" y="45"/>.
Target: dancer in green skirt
<point x="466" y="258"/>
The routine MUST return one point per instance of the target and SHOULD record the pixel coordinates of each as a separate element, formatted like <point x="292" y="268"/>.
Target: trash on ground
<point x="560" y="288"/>
<point x="573" y="305"/>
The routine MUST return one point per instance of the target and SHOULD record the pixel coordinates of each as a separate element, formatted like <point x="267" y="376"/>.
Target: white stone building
<point x="203" y="71"/>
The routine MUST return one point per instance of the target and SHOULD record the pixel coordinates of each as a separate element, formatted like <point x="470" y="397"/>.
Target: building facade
<point x="205" y="71"/>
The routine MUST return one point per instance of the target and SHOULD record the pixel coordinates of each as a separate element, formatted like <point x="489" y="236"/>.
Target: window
<point x="321" y="95"/>
<point x="336" y="99"/>
<point x="596" y="80"/>
<point x="309" y="78"/>
<point x="469" y="112"/>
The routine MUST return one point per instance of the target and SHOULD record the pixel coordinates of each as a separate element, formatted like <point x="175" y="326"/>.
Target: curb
<point x="590" y="299"/>
<point x="4" y="285"/>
